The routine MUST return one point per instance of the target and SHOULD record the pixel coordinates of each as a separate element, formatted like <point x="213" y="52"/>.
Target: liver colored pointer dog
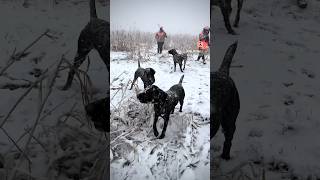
<point x="95" y="35"/>
<point x="178" y="58"/>
<point x="164" y="103"/>
<point x="226" y="9"/>
<point x="226" y="102"/>
<point x="146" y="75"/>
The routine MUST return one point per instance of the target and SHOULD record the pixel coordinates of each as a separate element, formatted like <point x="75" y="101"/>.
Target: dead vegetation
<point x="64" y="153"/>
<point x="132" y="141"/>
<point x="133" y="41"/>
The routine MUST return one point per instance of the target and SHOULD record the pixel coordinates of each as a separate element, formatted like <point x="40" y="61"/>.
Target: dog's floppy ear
<point x="152" y="71"/>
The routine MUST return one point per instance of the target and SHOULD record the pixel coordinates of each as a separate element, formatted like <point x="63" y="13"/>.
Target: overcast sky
<point x="176" y="16"/>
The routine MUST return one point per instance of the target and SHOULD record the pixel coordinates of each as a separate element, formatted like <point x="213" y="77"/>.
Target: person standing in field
<point x="203" y="43"/>
<point x="160" y="37"/>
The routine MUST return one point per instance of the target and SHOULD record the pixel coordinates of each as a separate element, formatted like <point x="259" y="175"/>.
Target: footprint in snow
<point x="309" y="73"/>
<point x="288" y="100"/>
<point x="288" y="84"/>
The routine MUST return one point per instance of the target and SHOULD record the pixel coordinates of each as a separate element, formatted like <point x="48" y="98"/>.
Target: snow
<point x="19" y="27"/>
<point x="183" y="144"/>
<point x="278" y="45"/>
<point x="196" y="81"/>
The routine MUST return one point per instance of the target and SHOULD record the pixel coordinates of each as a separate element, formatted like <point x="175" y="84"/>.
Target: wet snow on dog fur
<point x="184" y="151"/>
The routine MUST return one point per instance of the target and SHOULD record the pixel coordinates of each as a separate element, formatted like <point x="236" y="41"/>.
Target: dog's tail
<point x="93" y="11"/>
<point x="225" y="66"/>
<point x="138" y="63"/>
<point x="181" y="79"/>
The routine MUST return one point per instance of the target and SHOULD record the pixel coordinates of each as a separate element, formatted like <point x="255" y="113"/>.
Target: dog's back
<point x="178" y="89"/>
<point x="97" y="29"/>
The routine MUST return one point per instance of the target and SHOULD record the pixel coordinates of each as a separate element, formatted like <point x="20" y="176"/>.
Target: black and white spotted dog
<point x="178" y="59"/>
<point x="164" y="103"/>
<point x="226" y="9"/>
<point x="145" y="74"/>
<point x="225" y="102"/>
<point x="95" y="35"/>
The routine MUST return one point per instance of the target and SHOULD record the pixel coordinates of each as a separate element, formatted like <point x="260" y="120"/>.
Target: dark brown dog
<point x="95" y="35"/>
<point x="225" y="102"/>
<point x="178" y="59"/>
<point x="145" y="74"/>
<point x="164" y="103"/>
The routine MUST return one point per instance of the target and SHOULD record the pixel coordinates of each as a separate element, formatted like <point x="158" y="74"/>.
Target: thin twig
<point x="38" y="141"/>
<point x="15" y="144"/>
<point x="69" y="114"/>
<point x="17" y="56"/>
<point x="44" y="101"/>
<point x="39" y="112"/>
<point x="43" y="76"/>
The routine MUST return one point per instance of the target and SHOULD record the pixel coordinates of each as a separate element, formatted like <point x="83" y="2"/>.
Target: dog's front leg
<point x="155" y="131"/>
<point x="166" y="120"/>
<point x="181" y="104"/>
<point x="78" y="60"/>
<point x="180" y="64"/>
<point x="84" y="47"/>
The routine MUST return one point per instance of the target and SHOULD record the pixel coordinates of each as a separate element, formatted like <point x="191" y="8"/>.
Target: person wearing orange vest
<point x="160" y="37"/>
<point x="203" y="43"/>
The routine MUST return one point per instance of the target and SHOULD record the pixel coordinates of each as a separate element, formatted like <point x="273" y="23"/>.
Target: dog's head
<point x="152" y="94"/>
<point x="149" y="76"/>
<point x="173" y="51"/>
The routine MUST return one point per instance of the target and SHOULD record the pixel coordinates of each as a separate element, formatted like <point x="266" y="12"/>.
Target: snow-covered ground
<point x="184" y="152"/>
<point x="278" y="126"/>
<point x="64" y="144"/>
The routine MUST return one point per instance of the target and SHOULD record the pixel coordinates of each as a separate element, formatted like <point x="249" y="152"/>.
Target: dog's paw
<point x="161" y="136"/>
<point x="156" y="133"/>
<point x="233" y="32"/>
<point x="225" y="157"/>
